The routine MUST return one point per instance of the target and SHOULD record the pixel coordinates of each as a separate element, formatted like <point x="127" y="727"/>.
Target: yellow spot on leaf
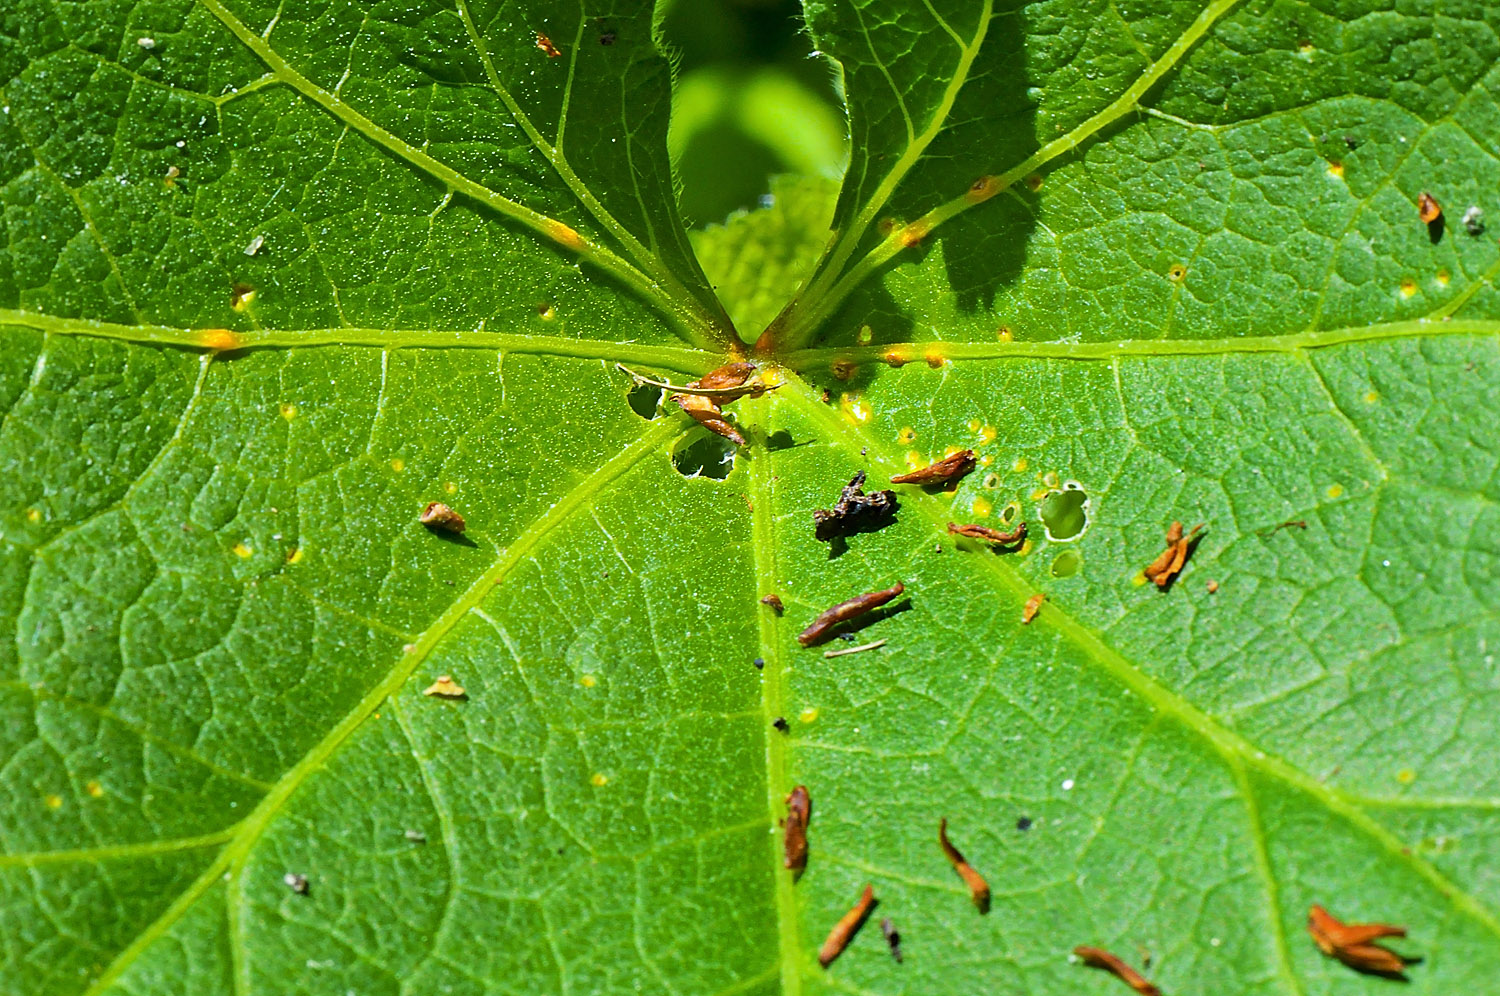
<point x="1442" y="278"/>
<point x="907" y="435"/>
<point x="982" y="189"/>
<point x="449" y="487"/>
<point x="53" y="801"/>
<point x="987" y="434"/>
<point x="1406" y="776"/>
<point x="1004" y="334"/>
<point x="546" y="310"/>
<point x="242" y="551"/>
<point x="1334" y="490"/>
<point x="772" y="377"/>
<point x="1020" y="465"/>
<point x="808" y="715"/>
<point x="294" y="555"/>
<point x="241" y="297"/>
<point x="1371" y="397"/>
<point x="562" y="234"/>
<point x="1177" y="272"/>
<point x="855" y="409"/>
<point x="33" y="515"/>
<point x="935" y="359"/>
<point x="288" y="410"/>
<point x="1336" y="168"/>
<point x="94" y="789"/>
<point x="1305" y="49"/>
<point x="588" y="681"/>
<point x="398" y="465"/>
<point x="1408" y="287"/>
<point x="913" y="234"/>
<point x="982" y="508"/>
<point x="218" y="339"/>
<point x="1139" y="579"/>
<point x="599" y="781"/>
<point x="973" y="425"/>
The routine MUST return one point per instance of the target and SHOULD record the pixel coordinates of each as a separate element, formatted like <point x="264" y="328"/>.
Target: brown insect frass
<point x="545" y="44"/>
<point x="1031" y="608"/>
<point x="843" y="931"/>
<point x="855" y="511"/>
<point x="440" y="517"/>
<point x="892" y="938"/>
<point x="989" y="535"/>
<point x="945" y="471"/>
<point x="445" y="688"/>
<point x="1352" y="943"/>
<point x="844" y="611"/>
<point x="979" y="889"/>
<point x="1166" y="567"/>
<point x="774" y="601"/>
<point x="798" y="815"/>
<point x="1099" y="958"/>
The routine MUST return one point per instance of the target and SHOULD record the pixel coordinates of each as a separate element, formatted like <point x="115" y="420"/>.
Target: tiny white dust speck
<point x="255" y="244"/>
<point x="1067" y="785"/>
<point x="146" y="43"/>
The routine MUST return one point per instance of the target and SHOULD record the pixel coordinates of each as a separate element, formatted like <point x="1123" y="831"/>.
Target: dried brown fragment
<point x="844" y="611"/>
<point x="989" y="535"/>
<point x="545" y="44"/>
<point x="855" y="511"/>
<point x="445" y="688"/>
<point x="440" y="517"/>
<point x="945" y="471"/>
<point x="1168" y="565"/>
<point x="774" y="601"/>
<point x="794" y="842"/>
<point x="1351" y="943"/>
<point x="1031" y="608"/>
<point x="1213" y="586"/>
<point x="892" y="938"/>
<point x="979" y="889"/>
<point x="705" y="408"/>
<point x="843" y="931"/>
<point x="1428" y="208"/>
<point x="297" y="883"/>
<point x="1099" y="958"/>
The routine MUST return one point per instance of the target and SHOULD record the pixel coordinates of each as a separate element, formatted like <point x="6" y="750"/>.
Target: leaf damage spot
<point x="288" y="410"/>
<point x="808" y="715"/>
<point x="445" y="688"/>
<point x="398" y="464"/>
<point x="53" y="801"/>
<point x="241" y="296"/>
<point x="1065" y="512"/>
<point x="218" y="339"/>
<point x="1066" y="564"/>
<point x="599" y="780"/>
<point x="297" y="883"/>
<point x="242" y="551"/>
<point x="562" y="234"/>
<point x="1336" y="169"/>
<point x="1408" y="287"/>
<point x="94" y="789"/>
<point x="294" y="555"/>
<point x="982" y="189"/>
<point x="708" y="456"/>
<point x="1176" y="273"/>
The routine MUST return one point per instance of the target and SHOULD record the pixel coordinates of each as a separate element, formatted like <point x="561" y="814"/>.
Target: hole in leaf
<point x="1065" y="512"/>
<point x="1067" y="564"/>
<point x="644" y="400"/>
<point x="704" y="455"/>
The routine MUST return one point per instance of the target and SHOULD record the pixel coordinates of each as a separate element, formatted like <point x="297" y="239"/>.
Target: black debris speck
<point x="1024" y="823"/>
<point x="855" y="511"/>
<point x="781" y="724"/>
<point x="760" y="662"/>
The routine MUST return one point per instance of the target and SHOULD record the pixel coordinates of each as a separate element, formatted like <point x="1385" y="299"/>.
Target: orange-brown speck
<point x="887" y="225"/>
<point x="982" y="189"/>
<point x="1034" y="181"/>
<point x="94" y="789"/>
<point x="1442" y="278"/>
<point x="842" y="369"/>
<point x="1004" y="334"/>
<point x="913" y="234"/>
<point x="897" y="358"/>
<point x="1336" y="168"/>
<point x="1408" y="287"/>
<point x="935" y="359"/>
<point x="288" y="410"/>
<point x="294" y="555"/>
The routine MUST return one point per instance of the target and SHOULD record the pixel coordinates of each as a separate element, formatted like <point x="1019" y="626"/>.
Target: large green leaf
<point x="276" y="275"/>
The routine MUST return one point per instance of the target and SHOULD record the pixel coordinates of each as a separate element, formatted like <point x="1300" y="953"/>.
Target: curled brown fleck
<point x="798" y="815"/>
<point x="1169" y="564"/>
<point x="1031" y="608"/>
<point x="844" y="611"/>
<point x="1428" y="207"/>
<point x="979" y="889"/>
<point x="855" y="511"/>
<point x="1099" y="958"/>
<point x="731" y="378"/>
<point x="774" y="601"/>
<point x="1352" y="943"/>
<point x="989" y="535"/>
<point x="944" y="471"/>
<point x="843" y="931"/>
<point x="441" y="518"/>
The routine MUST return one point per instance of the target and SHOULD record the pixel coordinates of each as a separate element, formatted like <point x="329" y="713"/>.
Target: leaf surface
<point x="279" y="278"/>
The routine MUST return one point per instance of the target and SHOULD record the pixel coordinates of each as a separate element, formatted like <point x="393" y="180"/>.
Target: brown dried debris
<point x="1428" y="208"/>
<point x="844" y="611"/>
<point x="445" y="688"/>
<point x="440" y="518"/>
<point x="1165" y="568"/>
<point x="979" y="889"/>
<point x="798" y="815"/>
<point x="855" y="511"/>
<point x="774" y="601"/>
<point x="989" y="535"/>
<point x="702" y="398"/>
<point x="1099" y="958"/>
<point x="1352" y="943"/>
<point x="545" y="44"/>
<point x="1032" y="607"/>
<point x="843" y="931"/>
<point x="945" y="471"/>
